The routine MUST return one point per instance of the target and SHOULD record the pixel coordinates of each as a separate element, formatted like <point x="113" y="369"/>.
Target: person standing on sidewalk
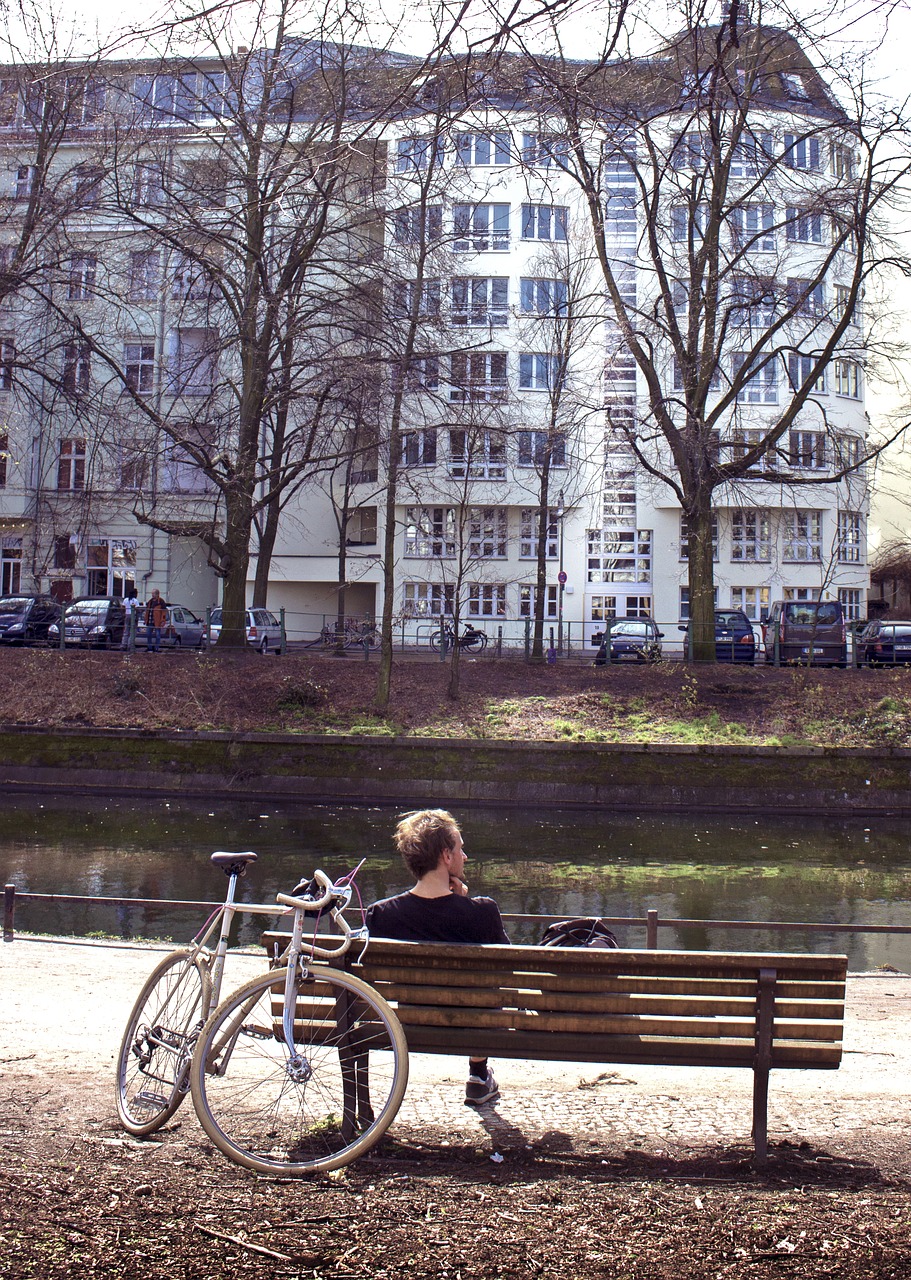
<point x="130" y="607"/>
<point x="438" y="909"/>
<point x="156" y="620"/>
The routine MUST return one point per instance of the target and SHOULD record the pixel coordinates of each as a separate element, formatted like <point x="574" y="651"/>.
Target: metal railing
<point x="651" y="922"/>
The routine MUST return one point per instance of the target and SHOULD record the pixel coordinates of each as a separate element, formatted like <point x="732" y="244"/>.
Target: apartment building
<point x="529" y="451"/>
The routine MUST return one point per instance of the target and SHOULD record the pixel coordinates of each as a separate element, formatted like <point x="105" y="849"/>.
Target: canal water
<point x="562" y="862"/>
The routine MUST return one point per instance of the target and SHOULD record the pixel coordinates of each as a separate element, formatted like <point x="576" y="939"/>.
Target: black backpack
<point x="587" y="932"/>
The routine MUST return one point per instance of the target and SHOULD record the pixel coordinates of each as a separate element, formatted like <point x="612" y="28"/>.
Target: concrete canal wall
<point x="417" y="771"/>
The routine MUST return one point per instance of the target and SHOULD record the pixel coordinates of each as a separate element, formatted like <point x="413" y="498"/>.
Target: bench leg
<point x="762" y="1063"/>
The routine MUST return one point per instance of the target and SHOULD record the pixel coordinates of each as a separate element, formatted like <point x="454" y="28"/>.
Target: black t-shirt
<point x="450" y="918"/>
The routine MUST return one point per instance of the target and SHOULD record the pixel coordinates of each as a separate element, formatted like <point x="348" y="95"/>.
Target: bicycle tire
<point x="153" y="1062"/>
<point x="436" y="641"/>
<point x="314" y="1114"/>
<point x="475" y="643"/>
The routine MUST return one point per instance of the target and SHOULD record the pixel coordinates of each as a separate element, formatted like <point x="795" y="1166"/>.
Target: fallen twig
<point x="243" y="1244"/>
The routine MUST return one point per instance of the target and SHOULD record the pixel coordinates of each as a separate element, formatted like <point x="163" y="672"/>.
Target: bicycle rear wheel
<point x="154" y="1058"/>
<point x="287" y="1114"/>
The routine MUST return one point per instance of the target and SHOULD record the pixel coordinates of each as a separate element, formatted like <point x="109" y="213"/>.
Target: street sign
<point x="561" y="578"/>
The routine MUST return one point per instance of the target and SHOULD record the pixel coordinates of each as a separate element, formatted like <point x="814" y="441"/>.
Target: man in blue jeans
<point x="156" y="620"/>
<point x="438" y="909"/>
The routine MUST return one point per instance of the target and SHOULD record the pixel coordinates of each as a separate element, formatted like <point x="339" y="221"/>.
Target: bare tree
<point x="736" y="203"/>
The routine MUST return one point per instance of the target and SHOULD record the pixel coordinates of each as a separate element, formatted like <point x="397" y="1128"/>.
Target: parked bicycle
<point x="354" y="633"/>
<point x="282" y="1072"/>
<point x="472" y="638"/>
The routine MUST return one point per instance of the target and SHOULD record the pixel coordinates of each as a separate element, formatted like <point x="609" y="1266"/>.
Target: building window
<point x="25" y="181"/>
<point x="190" y="280"/>
<point x="850" y="537"/>
<point x="533" y="446"/>
<point x="603" y="608"/>
<point x="77" y="368"/>
<point x="360" y="530"/>
<point x="196" y="362"/>
<point x="847" y="376"/>
<point x="65" y="552"/>
<point x="545" y="151"/>
<point x="753" y="601"/>
<point x="480" y="300"/>
<point x="800" y="594"/>
<point x="71" y="464"/>
<point x="692" y="151"/>
<point x="638" y="607"/>
<point x="807" y="450"/>
<point x="752" y="156"/>
<point x="803" y="536"/>
<point x="802" y="153"/>
<point x="416" y="154"/>
<point x="81" y="280"/>
<point x="684" y="613"/>
<point x="148" y="185"/>
<point x="806" y="297"/>
<point x="687" y="220"/>
<point x="487" y="599"/>
<point x="544" y="221"/>
<point x="480" y="228"/>
<point x="539" y="371"/>
<point x="139" y="366"/>
<point x="430" y="532"/>
<point x="477" y="454"/>
<point x="408" y="300"/>
<point x="685" y="537"/>
<point x="539" y="296"/>
<point x="424" y="373"/>
<point x="87" y="180"/>
<point x="419" y="448"/>
<point x="10" y="565"/>
<point x="483" y="149"/>
<point x="760" y="386"/>
<point x="619" y="555"/>
<point x="800" y="371"/>
<point x="528" y="598"/>
<point x="428" y="599"/>
<point x="110" y="565"/>
<point x="134" y="467"/>
<point x="418" y="225"/>
<point x="848" y="451"/>
<point x="753" y="227"/>
<point x="488" y="532"/>
<point x="7" y="363"/>
<point x="802" y="227"/>
<point x="851" y="599"/>
<point x="477" y="375"/>
<point x="843" y="294"/>
<point x="742" y="441"/>
<point x="181" y="473"/>
<point x="145" y="276"/>
<point x="530" y="524"/>
<point x="751" y="534"/>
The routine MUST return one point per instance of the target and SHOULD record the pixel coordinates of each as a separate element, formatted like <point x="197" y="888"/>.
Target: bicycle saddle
<point x="233" y="864"/>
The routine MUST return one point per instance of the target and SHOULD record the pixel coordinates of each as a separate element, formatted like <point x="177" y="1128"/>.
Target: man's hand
<point x="458" y="886"/>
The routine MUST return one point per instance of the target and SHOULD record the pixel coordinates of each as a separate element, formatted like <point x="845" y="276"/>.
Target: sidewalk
<point x="63" y="1004"/>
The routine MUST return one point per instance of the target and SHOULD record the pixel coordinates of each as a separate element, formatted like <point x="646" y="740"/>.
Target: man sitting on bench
<point x="438" y="909"/>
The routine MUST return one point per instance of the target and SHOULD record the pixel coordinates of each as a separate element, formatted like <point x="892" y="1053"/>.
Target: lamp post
<point x="561" y="577"/>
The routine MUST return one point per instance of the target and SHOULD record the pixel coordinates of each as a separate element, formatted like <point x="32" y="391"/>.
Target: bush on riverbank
<point x="668" y="703"/>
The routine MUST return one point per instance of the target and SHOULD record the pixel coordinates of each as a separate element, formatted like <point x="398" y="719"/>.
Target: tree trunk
<point x="264" y="556"/>
<point x="384" y="678"/>
<point x="701" y="636"/>
<point x="238" y="522"/>
<point x="537" y="647"/>
<point x="339" y="650"/>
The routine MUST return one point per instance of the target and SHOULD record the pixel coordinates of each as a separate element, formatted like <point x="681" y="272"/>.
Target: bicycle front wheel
<point x="313" y="1108"/>
<point x="154" y="1059"/>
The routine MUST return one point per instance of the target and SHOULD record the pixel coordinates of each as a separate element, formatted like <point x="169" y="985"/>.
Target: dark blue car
<point x="734" y="638"/>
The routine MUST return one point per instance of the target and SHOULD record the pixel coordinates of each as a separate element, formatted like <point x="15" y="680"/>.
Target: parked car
<point x="184" y="629"/>
<point x="96" y="621"/>
<point x="25" y="619"/>
<point x="631" y="638"/>
<point x="264" y="631"/>
<point x="734" y="638"/>
<point x="809" y="631"/>
<point x="884" y="644"/>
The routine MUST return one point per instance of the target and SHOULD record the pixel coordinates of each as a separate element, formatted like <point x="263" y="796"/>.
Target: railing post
<point x="528" y="639"/>
<point x="208" y="627"/>
<point x="651" y="930"/>
<point x="499" y="642"/>
<point x="283" y="647"/>
<point x="777" y="646"/>
<point x="9" y="912"/>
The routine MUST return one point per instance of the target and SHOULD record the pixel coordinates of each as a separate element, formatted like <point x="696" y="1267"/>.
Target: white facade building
<point x="518" y="357"/>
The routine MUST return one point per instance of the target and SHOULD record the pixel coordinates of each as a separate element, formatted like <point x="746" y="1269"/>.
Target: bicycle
<point x="153" y="1062"/>
<point x="472" y="638"/>
<point x="282" y="1071"/>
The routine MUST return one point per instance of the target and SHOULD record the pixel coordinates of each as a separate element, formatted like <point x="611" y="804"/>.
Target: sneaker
<point x="481" y="1089"/>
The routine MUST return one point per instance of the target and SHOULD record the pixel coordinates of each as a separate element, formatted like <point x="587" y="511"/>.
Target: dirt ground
<point x="628" y="1173"/>
<point x="499" y="698"/>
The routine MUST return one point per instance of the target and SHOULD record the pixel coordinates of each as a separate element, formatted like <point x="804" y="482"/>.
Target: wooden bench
<point x="663" y="1008"/>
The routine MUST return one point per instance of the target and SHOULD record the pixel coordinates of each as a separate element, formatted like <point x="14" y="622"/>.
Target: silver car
<point x="184" y="629"/>
<point x="264" y="631"/>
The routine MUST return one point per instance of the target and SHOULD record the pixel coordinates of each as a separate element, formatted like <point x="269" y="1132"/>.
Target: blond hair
<point x="423" y="836"/>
